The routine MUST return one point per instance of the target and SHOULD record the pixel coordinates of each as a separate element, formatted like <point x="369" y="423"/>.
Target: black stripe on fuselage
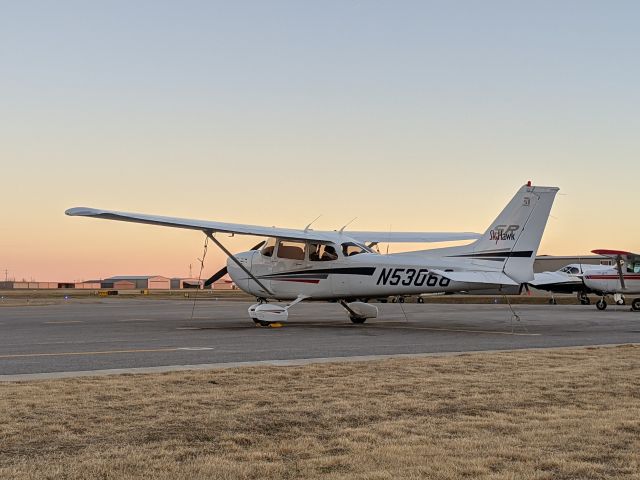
<point x="496" y="256"/>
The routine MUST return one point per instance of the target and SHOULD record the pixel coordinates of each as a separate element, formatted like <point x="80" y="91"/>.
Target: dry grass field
<point x="549" y="414"/>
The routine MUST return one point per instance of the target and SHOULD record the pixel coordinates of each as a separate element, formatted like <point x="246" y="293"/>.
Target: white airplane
<point x="340" y="265"/>
<point x="568" y="279"/>
<point x="623" y="278"/>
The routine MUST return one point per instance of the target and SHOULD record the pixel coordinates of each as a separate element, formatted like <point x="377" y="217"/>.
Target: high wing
<point x="629" y="257"/>
<point x="260" y="231"/>
<point x="411" y="237"/>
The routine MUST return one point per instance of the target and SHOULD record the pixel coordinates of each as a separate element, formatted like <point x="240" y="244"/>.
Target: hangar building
<point x="133" y="282"/>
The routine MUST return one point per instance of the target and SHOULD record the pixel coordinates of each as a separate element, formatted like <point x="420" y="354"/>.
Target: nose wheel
<point x="601" y="304"/>
<point x="635" y="305"/>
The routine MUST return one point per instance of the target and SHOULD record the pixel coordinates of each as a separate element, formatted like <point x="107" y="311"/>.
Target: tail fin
<point x="514" y="237"/>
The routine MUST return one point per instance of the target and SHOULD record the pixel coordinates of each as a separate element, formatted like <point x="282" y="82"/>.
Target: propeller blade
<point x="223" y="271"/>
<point x="620" y="274"/>
<point x="256" y="247"/>
<point x="216" y="276"/>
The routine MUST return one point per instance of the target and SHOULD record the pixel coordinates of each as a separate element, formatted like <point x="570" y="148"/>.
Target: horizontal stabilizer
<point x="492" y="278"/>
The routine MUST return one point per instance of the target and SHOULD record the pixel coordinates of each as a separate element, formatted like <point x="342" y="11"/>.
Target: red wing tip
<point x="610" y="252"/>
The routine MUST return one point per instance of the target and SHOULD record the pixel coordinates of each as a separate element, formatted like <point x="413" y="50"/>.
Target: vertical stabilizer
<point x="512" y="240"/>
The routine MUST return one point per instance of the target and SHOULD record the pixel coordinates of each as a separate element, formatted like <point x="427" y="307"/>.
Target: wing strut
<point x="237" y="262"/>
<point x="620" y="274"/>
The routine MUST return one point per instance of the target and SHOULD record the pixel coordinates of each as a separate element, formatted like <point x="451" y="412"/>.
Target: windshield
<point x="352" y="248"/>
<point x="269" y="247"/>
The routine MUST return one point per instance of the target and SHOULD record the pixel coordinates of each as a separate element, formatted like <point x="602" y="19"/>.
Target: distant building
<point x="141" y="282"/>
<point x="224" y="285"/>
<point x="182" y="283"/>
<point x="89" y="284"/>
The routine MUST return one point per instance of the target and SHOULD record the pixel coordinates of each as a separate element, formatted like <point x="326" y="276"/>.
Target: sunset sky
<point x="409" y="115"/>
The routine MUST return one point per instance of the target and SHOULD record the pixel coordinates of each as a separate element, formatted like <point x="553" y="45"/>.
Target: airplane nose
<point x="239" y="276"/>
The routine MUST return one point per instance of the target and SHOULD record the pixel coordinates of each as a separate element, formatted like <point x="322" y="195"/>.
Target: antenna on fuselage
<point x="312" y="222"/>
<point x="347" y="224"/>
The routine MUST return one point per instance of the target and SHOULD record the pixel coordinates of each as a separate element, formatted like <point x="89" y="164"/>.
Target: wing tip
<point x="80" y="211"/>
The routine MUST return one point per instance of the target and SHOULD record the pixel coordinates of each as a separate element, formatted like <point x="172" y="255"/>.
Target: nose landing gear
<point x="601" y="304"/>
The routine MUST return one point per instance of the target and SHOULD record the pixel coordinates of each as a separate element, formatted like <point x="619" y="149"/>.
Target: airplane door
<point x="340" y="283"/>
<point x="290" y="258"/>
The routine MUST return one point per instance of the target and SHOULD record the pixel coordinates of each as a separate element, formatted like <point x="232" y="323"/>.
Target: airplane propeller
<point x="620" y="274"/>
<point x="223" y="271"/>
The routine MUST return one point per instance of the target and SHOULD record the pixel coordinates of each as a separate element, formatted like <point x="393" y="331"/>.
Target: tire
<point x="601" y="304"/>
<point x="635" y="305"/>
<point x="357" y="320"/>
<point x="382" y="300"/>
<point x="553" y="301"/>
<point x="400" y="299"/>
<point x="621" y="302"/>
<point x="585" y="301"/>
<point x="420" y="300"/>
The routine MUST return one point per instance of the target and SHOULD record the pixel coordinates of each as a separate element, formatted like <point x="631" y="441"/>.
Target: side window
<point x="322" y="253"/>
<point x="269" y="247"/>
<point x="291" y="250"/>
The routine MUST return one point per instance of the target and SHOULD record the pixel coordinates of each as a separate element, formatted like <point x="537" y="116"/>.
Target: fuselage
<point x="607" y="280"/>
<point x="362" y="274"/>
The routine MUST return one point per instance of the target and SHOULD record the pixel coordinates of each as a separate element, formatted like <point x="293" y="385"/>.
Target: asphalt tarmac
<point x="141" y="333"/>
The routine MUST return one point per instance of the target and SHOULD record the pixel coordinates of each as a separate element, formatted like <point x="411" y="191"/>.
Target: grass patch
<point x="528" y="415"/>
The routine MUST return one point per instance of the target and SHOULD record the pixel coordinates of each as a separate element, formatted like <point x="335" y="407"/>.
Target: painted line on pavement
<point x="103" y="352"/>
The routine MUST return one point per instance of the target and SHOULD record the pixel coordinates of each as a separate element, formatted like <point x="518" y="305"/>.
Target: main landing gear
<point x="272" y="315"/>
<point x="635" y="305"/>
<point x="583" y="298"/>
<point x="359" y="312"/>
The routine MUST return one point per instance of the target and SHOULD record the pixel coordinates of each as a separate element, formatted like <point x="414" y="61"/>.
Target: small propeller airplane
<point x="623" y="278"/>
<point x="568" y="279"/>
<point x="341" y="266"/>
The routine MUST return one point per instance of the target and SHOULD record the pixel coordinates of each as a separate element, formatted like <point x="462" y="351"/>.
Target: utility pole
<point x="190" y="274"/>
<point x="6" y="275"/>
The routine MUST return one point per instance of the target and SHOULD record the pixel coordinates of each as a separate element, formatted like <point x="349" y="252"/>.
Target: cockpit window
<point x="269" y="247"/>
<point x="350" y="248"/>
<point x="291" y="250"/>
<point x="319" y="252"/>
<point x="633" y="267"/>
<point x="571" y="270"/>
